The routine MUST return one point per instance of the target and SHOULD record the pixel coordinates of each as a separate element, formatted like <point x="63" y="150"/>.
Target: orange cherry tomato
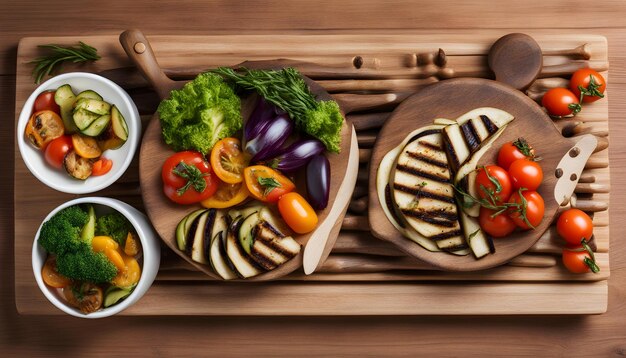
<point x="86" y="147"/>
<point x="51" y="276"/>
<point x="525" y="173"/>
<point x="227" y="195"/>
<point x="574" y="261"/>
<point x="228" y="160"/>
<point x="535" y="208"/>
<point x="297" y="213"/>
<point x="266" y="184"/>
<point x="101" y="166"/>
<point x="573" y="225"/>
<point x="582" y="78"/>
<point x="43" y="127"/>
<point x="484" y="183"/>
<point x="497" y="226"/>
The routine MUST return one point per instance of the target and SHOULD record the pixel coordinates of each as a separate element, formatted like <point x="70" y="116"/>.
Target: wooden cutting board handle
<point x="140" y="52"/>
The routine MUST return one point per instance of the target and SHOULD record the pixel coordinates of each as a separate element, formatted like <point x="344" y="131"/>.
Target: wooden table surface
<point x="589" y="336"/>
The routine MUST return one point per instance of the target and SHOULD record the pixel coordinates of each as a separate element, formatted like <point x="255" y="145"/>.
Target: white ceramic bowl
<point x="151" y="255"/>
<point x="57" y="178"/>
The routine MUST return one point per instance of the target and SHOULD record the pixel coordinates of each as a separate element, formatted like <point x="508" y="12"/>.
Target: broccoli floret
<point x="86" y="265"/>
<point x="324" y="123"/>
<point x="61" y="234"/>
<point x="114" y="225"/>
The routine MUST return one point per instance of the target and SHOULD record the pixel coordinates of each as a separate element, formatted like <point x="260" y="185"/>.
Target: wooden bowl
<point x="450" y="99"/>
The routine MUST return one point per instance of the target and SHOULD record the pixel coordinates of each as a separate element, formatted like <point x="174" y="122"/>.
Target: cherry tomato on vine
<point x="560" y="102"/>
<point x="534" y="209"/>
<point x="525" y="173"/>
<point x="187" y="178"/>
<point x="584" y="78"/>
<point x="500" y="225"/>
<point x="45" y="101"/>
<point x="574" y="261"/>
<point x="485" y="183"/>
<point x="57" y="149"/>
<point x="512" y="151"/>
<point x="573" y="225"/>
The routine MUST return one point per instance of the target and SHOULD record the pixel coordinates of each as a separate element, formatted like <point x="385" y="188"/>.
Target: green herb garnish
<point x="48" y="64"/>
<point x="269" y="184"/>
<point x="193" y="175"/>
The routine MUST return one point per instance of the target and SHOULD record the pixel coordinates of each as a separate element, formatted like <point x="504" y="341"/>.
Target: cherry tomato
<point x="266" y="184"/>
<point x="574" y="261"/>
<point x="57" y="149"/>
<point x="45" y="102"/>
<point x="535" y="208"/>
<point x="525" y="173"/>
<point x="512" y="151"/>
<point x="86" y="147"/>
<point x="227" y="195"/>
<point x="187" y="178"/>
<point x="583" y="78"/>
<point x="51" y="276"/>
<point x="297" y="213"/>
<point x="573" y="225"/>
<point x="101" y="166"/>
<point x="499" y="226"/>
<point x="484" y="184"/>
<point x="560" y="102"/>
<point x="228" y="160"/>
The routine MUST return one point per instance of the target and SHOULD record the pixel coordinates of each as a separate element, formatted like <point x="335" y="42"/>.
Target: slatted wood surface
<point x="363" y="275"/>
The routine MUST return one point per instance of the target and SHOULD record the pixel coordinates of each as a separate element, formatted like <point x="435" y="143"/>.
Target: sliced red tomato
<point x="228" y="160"/>
<point x="499" y="225"/>
<point x="591" y="81"/>
<point x="525" y="173"/>
<point x="297" y="213"/>
<point x="187" y="178"/>
<point x="102" y="166"/>
<point x="45" y="102"/>
<point x="57" y="149"/>
<point x="266" y="184"/>
<point x="493" y="182"/>
<point x="531" y="207"/>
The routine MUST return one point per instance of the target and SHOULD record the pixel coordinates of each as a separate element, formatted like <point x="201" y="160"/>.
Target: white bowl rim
<point x="144" y="281"/>
<point x="133" y="140"/>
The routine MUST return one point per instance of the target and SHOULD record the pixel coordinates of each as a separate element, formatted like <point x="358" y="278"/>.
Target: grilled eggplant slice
<point x="241" y="262"/>
<point x="77" y="166"/>
<point x="203" y="229"/>
<point x="218" y="257"/>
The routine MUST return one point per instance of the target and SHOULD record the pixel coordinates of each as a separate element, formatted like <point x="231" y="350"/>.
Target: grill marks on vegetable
<point x="465" y="138"/>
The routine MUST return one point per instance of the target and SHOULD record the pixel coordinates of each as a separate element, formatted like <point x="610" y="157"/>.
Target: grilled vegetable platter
<point x="477" y="179"/>
<point x="241" y="168"/>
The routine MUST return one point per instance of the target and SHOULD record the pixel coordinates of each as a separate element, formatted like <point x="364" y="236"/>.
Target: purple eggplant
<point x="297" y="155"/>
<point x="261" y="117"/>
<point x="267" y="144"/>
<point x="318" y="181"/>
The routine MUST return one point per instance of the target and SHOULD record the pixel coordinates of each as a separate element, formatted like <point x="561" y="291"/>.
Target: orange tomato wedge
<point x="101" y="166"/>
<point x="51" y="276"/>
<point x="86" y="147"/>
<point x="266" y="184"/>
<point x="227" y="195"/>
<point x="131" y="246"/>
<point x="228" y="160"/>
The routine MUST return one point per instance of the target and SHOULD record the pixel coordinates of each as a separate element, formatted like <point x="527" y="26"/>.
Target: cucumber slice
<point x="98" y="126"/>
<point x="93" y="105"/>
<point x="183" y="228"/>
<point x="89" y="94"/>
<point x="116" y="295"/>
<point x="245" y="234"/>
<point x="89" y="230"/>
<point x="119" y="124"/>
<point x="82" y="119"/>
<point x="64" y="97"/>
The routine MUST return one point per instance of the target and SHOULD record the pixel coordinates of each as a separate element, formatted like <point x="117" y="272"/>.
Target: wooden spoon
<point x="516" y="60"/>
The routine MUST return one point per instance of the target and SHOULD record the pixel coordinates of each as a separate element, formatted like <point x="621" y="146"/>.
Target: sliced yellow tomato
<point x="102" y="243"/>
<point x="43" y="127"/>
<point x="228" y="160"/>
<point x="86" y="147"/>
<point x="227" y="195"/>
<point x="129" y="275"/>
<point x="266" y="184"/>
<point x="131" y="246"/>
<point x="51" y="276"/>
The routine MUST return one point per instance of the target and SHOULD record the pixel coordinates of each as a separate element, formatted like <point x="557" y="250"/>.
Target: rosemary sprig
<point x="49" y="63"/>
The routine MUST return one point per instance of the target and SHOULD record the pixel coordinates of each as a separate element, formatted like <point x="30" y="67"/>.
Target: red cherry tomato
<point x="535" y="208"/>
<point x="497" y="226"/>
<point x="574" y="261"/>
<point x="583" y="78"/>
<point x="573" y="225"/>
<point x="484" y="184"/>
<point x="560" y="102"/>
<point x="525" y="173"/>
<point x="512" y="151"/>
<point x="57" y="149"/>
<point x="187" y="178"/>
<point x="101" y="166"/>
<point x="45" y="101"/>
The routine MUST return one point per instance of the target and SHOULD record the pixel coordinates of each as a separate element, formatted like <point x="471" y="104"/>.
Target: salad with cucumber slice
<point x="73" y="130"/>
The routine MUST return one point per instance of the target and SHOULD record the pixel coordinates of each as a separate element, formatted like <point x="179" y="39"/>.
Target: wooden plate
<point x="165" y="215"/>
<point x="450" y="99"/>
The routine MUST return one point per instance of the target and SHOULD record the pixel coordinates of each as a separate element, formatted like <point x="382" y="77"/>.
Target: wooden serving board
<point x="369" y="75"/>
